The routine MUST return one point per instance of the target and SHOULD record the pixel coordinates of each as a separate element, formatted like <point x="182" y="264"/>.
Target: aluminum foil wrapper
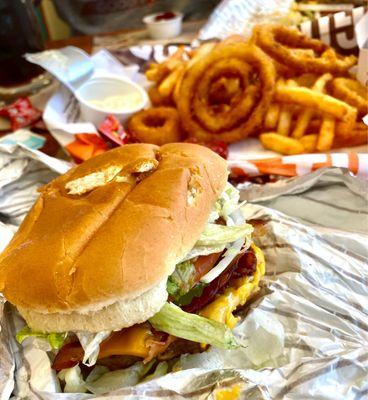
<point x="305" y="335"/>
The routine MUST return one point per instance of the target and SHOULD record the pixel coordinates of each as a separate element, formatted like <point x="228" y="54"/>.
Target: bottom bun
<point x="116" y="316"/>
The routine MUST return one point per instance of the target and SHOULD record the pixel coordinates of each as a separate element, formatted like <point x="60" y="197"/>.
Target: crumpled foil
<point x="305" y="334"/>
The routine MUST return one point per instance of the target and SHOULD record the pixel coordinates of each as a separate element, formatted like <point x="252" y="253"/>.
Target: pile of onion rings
<point x="293" y="50"/>
<point x="158" y="126"/>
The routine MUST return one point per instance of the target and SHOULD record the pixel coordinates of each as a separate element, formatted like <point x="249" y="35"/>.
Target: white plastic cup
<point x="165" y="28"/>
<point x="101" y="88"/>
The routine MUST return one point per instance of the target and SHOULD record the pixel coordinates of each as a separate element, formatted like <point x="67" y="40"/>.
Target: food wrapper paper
<point x="239" y="17"/>
<point x="301" y="164"/>
<point x="305" y="335"/>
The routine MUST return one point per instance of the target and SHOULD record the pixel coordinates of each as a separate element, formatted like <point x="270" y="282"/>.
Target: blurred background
<point x="33" y="25"/>
<point x="60" y="19"/>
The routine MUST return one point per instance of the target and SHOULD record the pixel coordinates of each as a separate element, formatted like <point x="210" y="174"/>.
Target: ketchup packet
<point x="113" y="132"/>
<point x="86" y="146"/>
<point x="21" y="113"/>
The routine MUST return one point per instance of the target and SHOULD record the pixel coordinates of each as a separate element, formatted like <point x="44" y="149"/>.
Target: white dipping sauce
<point x="125" y="102"/>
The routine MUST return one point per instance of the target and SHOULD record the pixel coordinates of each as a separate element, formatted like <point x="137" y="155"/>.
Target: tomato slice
<point x="243" y="265"/>
<point x="68" y="356"/>
<point x="203" y="264"/>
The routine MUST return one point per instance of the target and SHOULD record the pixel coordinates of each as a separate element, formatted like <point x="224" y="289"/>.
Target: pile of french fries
<point x="303" y="118"/>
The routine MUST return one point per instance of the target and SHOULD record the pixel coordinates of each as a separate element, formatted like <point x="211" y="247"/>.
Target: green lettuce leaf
<point x="96" y="373"/>
<point x="187" y="298"/>
<point x="121" y="378"/>
<point x="173" y="320"/>
<point x="228" y="201"/>
<point x="204" y="251"/>
<point x="226" y="204"/>
<point x="56" y="340"/>
<point x="161" y="370"/>
<point x="90" y="341"/>
<point x="216" y="234"/>
<point x="225" y="207"/>
<point x="181" y="280"/>
<point x="74" y="382"/>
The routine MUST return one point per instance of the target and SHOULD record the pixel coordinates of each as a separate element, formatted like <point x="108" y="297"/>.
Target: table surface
<point x="84" y="42"/>
<point x="190" y="29"/>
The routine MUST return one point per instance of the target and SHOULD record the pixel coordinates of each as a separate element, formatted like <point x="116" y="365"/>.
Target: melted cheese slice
<point x="232" y="393"/>
<point x="222" y="308"/>
<point x="128" y="342"/>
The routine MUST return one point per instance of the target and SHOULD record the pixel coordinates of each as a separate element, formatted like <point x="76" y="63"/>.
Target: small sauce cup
<point x="103" y="96"/>
<point x="163" y="28"/>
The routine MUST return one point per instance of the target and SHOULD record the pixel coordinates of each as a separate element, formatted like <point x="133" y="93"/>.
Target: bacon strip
<point x="244" y="264"/>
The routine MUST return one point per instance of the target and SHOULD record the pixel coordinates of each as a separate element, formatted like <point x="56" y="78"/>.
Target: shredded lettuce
<point x="74" y="382"/>
<point x="91" y="345"/>
<point x="55" y="340"/>
<point x="173" y="320"/>
<point x="226" y="204"/>
<point x="187" y="298"/>
<point x="121" y="378"/>
<point x="221" y="234"/>
<point x="232" y="251"/>
<point x="161" y="370"/>
<point x="181" y="280"/>
<point x="204" y="251"/>
<point x="229" y="201"/>
<point x="234" y="236"/>
<point x="212" y="359"/>
<point x="96" y="373"/>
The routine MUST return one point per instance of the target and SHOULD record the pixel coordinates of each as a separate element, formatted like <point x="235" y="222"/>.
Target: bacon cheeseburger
<point x="131" y="259"/>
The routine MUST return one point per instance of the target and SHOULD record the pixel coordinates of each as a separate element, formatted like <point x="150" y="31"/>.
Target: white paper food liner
<point x="311" y="316"/>
<point x="240" y="16"/>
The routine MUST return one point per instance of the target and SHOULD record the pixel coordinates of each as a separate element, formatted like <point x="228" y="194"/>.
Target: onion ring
<point x="352" y="92"/>
<point x="356" y="136"/>
<point x="223" y="90"/>
<point x="256" y="74"/>
<point x="285" y="45"/>
<point x="158" y="126"/>
<point x="240" y="104"/>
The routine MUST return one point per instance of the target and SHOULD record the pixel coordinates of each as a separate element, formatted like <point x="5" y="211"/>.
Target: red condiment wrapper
<point x="85" y="146"/>
<point x="113" y="132"/>
<point x="21" y="113"/>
